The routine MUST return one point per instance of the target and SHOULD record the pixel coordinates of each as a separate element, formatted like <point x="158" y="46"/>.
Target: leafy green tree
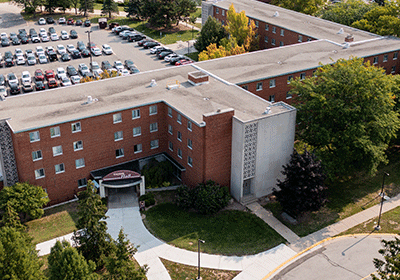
<point x="389" y="267"/>
<point x="25" y="199"/>
<point x="18" y="257"/>
<point x="86" y="6"/>
<point x="64" y="4"/>
<point x="303" y="188"/>
<point x="211" y="33"/>
<point x="11" y="218"/>
<point x="237" y="25"/>
<point x="184" y="8"/>
<point x="347" y="12"/>
<point x="92" y="240"/>
<point x="309" y="7"/>
<point x="133" y="8"/>
<point x="345" y="112"/>
<point x="109" y="6"/>
<point x="50" y="5"/>
<point x="75" y="5"/>
<point x="380" y="2"/>
<point x="65" y="263"/>
<point x="120" y="265"/>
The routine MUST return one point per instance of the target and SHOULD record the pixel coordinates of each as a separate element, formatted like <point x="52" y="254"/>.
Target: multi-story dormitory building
<point x="296" y="43"/>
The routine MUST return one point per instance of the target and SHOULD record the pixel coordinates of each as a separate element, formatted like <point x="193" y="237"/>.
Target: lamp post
<point x="199" y="241"/>
<point x="90" y="52"/>
<point x="378" y="227"/>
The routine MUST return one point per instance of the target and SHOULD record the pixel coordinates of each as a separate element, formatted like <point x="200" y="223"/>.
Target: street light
<point x="378" y="227"/>
<point x="199" y="241"/>
<point x="90" y="52"/>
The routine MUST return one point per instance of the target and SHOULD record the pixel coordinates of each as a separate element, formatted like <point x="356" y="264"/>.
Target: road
<point x="344" y="258"/>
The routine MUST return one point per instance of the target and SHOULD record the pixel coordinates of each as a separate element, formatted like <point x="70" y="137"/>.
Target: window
<point x="395" y="55"/>
<point x="189" y="126"/>
<point x="179" y="136"/>
<point x="308" y="39"/>
<point x="59" y="168"/>
<point x="55" y="131"/>
<point x="78" y="145"/>
<point x="272" y="83"/>
<point x="119" y="153"/>
<point x="288" y="95"/>
<point x="245" y="87"/>
<point x="266" y="39"/>
<point x="170" y="146"/>
<point x="34" y="136"/>
<point x="300" y="38"/>
<point x="170" y="112"/>
<point x="273" y="29"/>
<point x="153" y="110"/>
<point x="282" y="32"/>
<point x="180" y="153"/>
<point x="266" y="27"/>
<point x="259" y="86"/>
<point x="273" y="41"/>
<point x="256" y="22"/>
<point x="190" y="144"/>
<point x="154" y="144"/>
<point x="179" y="119"/>
<point x="170" y="129"/>
<point x="76" y="127"/>
<point x="217" y="11"/>
<point x="223" y="12"/>
<point x="281" y="44"/>
<point x="385" y="57"/>
<point x="153" y="127"/>
<point x="57" y="150"/>
<point x="190" y="161"/>
<point x="137" y="131"/>
<point x="135" y="114"/>
<point x="39" y="173"/>
<point x="79" y="163"/>
<point x="137" y="148"/>
<point x="118" y="136"/>
<point x="302" y="76"/>
<point x="376" y="59"/>
<point x="272" y="98"/>
<point x="82" y="183"/>
<point x="117" y="118"/>
<point x="393" y="70"/>
<point x="289" y="79"/>
<point x="222" y="22"/>
<point x="37" y="155"/>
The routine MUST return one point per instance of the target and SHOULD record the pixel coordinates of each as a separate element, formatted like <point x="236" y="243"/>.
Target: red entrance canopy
<point x="121" y="175"/>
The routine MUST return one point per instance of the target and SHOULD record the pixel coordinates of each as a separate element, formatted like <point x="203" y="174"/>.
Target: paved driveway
<point x="122" y="198"/>
<point x="10" y="16"/>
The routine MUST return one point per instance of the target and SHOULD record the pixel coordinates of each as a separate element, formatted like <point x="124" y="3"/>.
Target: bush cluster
<point x="148" y="199"/>
<point x="205" y="199"/>
<point x="157" y="174"/>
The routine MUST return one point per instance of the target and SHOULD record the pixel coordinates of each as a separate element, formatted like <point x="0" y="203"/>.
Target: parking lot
<point x="122" y="50"/>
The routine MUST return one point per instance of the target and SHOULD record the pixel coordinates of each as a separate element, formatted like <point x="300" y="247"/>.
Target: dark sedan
<point x="5" y="42"/>
<point x="141" y="42"/>
<point x="14" y="89"/>
<point x="49" y="20"/>
<point x="164" y="53"/>
<point x="75" y="54"/>
<point x="65" y="57"/>
<point x="135" y="37"/>
<point x="85" y="53"/>
<point x="148" y="45"/>
<point x="78" y="22"/>
<point x="16" y="41"/>
<point x="87" y="23"/>
<point x="73" y="34"/>
<point x="71" y="71"/>
<point x="39" y="85"/>
<point x="24" y="40"/>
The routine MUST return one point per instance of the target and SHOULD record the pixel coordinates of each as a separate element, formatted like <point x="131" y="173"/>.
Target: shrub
<point x="184" y="197"/>
<point x="157" y="173"/>
<point x="148" y="199"/>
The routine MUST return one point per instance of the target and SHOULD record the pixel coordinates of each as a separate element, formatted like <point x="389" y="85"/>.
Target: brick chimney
<point x="349" y="38"/>
<point x="197" y="78"/>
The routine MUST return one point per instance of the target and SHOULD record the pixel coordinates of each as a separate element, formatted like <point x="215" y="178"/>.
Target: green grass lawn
<point x="98" y="6"/>
<point x="194" y="56"/>
<point x="56" y="222"/>
<point x="348" y="198"/>
<point x="179" y="271"/>
<point x="226" y="233"/>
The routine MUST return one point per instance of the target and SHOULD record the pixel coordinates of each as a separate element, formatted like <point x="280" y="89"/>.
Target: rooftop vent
<point x="349" y="38"/>
<point x="173" y="84"/>
<point x="346" y="45"/>
<point x="90" y="100"/>
<point x="276" y="14"/>
<point x="197" y="78"/>
<point x="340" y="31"/>
<point x="153" y="83"/>
<point x="267" y="110"/>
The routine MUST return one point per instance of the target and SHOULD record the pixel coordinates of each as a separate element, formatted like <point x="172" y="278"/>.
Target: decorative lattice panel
<point x="7" y="151"/>
<point x="250" y="150"/>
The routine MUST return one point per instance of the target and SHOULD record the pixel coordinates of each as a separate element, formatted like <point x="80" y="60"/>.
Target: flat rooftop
<point x="304" y="24"/>
<point x="40" y="109"/>
<point x="269" y="63"/>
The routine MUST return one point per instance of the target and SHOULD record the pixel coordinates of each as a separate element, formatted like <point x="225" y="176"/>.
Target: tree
<point x="237" y="25"/>
<point x="25" y="199"/>
<point x="303" y="188"/>
<point x="389" y="268"/>
<point x="92" y="240"/>
<point x="347" y="12"/>
<point x="86" y="6"/>
<point x="309" y="7"/>
<point x="11" y="218"/>
<point x="50" y="5"/>
<point x="184" y="8"/>
<point x="211" y="33"/>
<point x="120" y="265"/>
<point x="65" y="263"/>
<point x="345" y="112"/>
<point x="18" y="257"/>
<point x="75" y="5"/>
<point x="380" y="2"/>
<point x="133" y="8"/>
<point x="109" y="6"/>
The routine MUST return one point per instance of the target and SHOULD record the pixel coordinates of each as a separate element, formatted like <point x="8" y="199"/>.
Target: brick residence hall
<point x="227" y="119"/>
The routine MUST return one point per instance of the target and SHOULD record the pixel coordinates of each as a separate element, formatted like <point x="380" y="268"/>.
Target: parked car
<point x="173" y="60"/>
<point x="71" y="71"/>
<point x="49" y="74"/>
<point x="85" y="53"/>
<point x="61" y="49"/>
<point x="75" y="79"/>
<point x="8" y="59"/>
<point x="70" y="21"/>
<point x="152" y="44"/>
<point x="24" y="40"/>
<point x="45" y="38"/>
<point x="26" y="77"/>
<point x="52" y="83"/>
<point x="65" y="57"/>
<point x="39" y="50"/>
<point x="124" y="72"/>
<point x="75" y="54"/>
<point x="73" y="34"/>
<point x="18" y="52"/>
<point x="52" y="55"/>
<point x="5" y="42"/>
<point x="62" y="20"/>
<point x="12" y="79"/>
<point x="105" y="65"/>
<point x="41" y="21"/>
<point x="87" y="23"/>
<point x="39" y="76"/>
<point x="39" y="85"/>
<point x="64" y="35"/>
<point x="16" y="41"/>
<point x="20" y="60"/>
<point x="70" y="48"/>
<point x="42" y="59"/>
<point x="95" y="67"/>
<point x="31" y="59"/>
<point x="157" y="49"/>
<point x="54" y="37"/>
<point x="80" y="45"/>
<point x="15" y="89"/>
<point x="82" y="68"/>
<point x="65" y="82"/>
<point x="107" y="49"/>
<point x="118" y="65"/>
<point x="27" y="86"/>
<point x="183" y="62"/>
<point x="61" y="73"/>
<point x="135" y="37"/>
<point x="96" y="51"/>
<point x="2" y="80"/>
<point x="78" y="22"/>
<point x="52" y="30"/>
<point x="35" y="39"/>
<point x="164" y="53"/>
<point x="141" y="42"/>
<point x="49" y="20"/>
<point x="3" y="92"/>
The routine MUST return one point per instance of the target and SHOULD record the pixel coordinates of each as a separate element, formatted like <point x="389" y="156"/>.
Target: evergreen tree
<point x="211" y="33"/>
<point x="109" y="6"/>
<point x="303" y="188"/>
<point x="86" y="6"/>
<point x="65" y="263"/>
<point x="133" y="8"/>
<point x="389" y="268"/>
<point x="11" y="219"/>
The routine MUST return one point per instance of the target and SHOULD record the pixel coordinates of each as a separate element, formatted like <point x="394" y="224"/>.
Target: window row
<point x="59" y="168"/>
<point x="179" y="153"/>
<point x="54" y="132"/>
<point x="385" y="57"/>
<point x="57" y="150"/>
<point x="117" y="118"/>
<point x="179" y="119"/>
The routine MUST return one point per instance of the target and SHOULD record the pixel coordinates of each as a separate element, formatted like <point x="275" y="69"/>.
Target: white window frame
<point x="39" y="176"/>
<point x="170" y="146"/>
<point x="179" y="118"/>
<point x="135" y="114"/>
<point x="38" y="155"/>
<point x="76" y="145"/>
<point x="281" y="44"/>
<point x="217" y="10"/>
<point x="223" y="12"/>
<point x="170" y="112"/>
<point x="61" y="170"/>
<point x="189" y="125"/>
<point x="153" y="127"/>
<point x="190" y="161"/>
<point x="179" y="136"/>
<point x="259" y="86"/>
<point x="266" y="27"/>
<point x="179" y="153"/>
<point x="55" y="132"/>
<point x="134" y="130"/>
<point x="376" y="59"/>
<point x="272" y="98"/>
<point x="288" y="95"/>
<point x="170" y="129"/>
<point x="385" y="57"/>
<point x="395" y="55"/>
<point x="34" y="136"/>
<point x="118" y="135"/>
<point x="256" y="23"/>
<point x="117" y="118"/>
<point x="137" y="146"/>
<point x="274" y="29"/>
<point x="282" y="32"/>
<point x="265" y="39"/>
<point x="121" y="153"/>
<point x="289" y="79"/>
<point x="82" y="183"/>
<point x="300" y="38"/>
<point x="302" y="76"/>
<point x="154" y="144"/>
<point x="57" y="150"/>
<point x="393" y="70"/>
<point x="153" y="110"/>
<point x="272" y="83"/>
<point x="190" y="144"/>
<point x="76" y="127"/>
<point x="80" y="163"/>
<point x="273" y="41"/>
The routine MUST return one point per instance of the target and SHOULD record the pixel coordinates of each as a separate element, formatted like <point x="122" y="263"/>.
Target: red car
<point x="52" y="83"/>
<point x="183" y="62"/>
<point x="49" y="74"/>
<point x="39" y="76"/>
<point x="70" y="21"/>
